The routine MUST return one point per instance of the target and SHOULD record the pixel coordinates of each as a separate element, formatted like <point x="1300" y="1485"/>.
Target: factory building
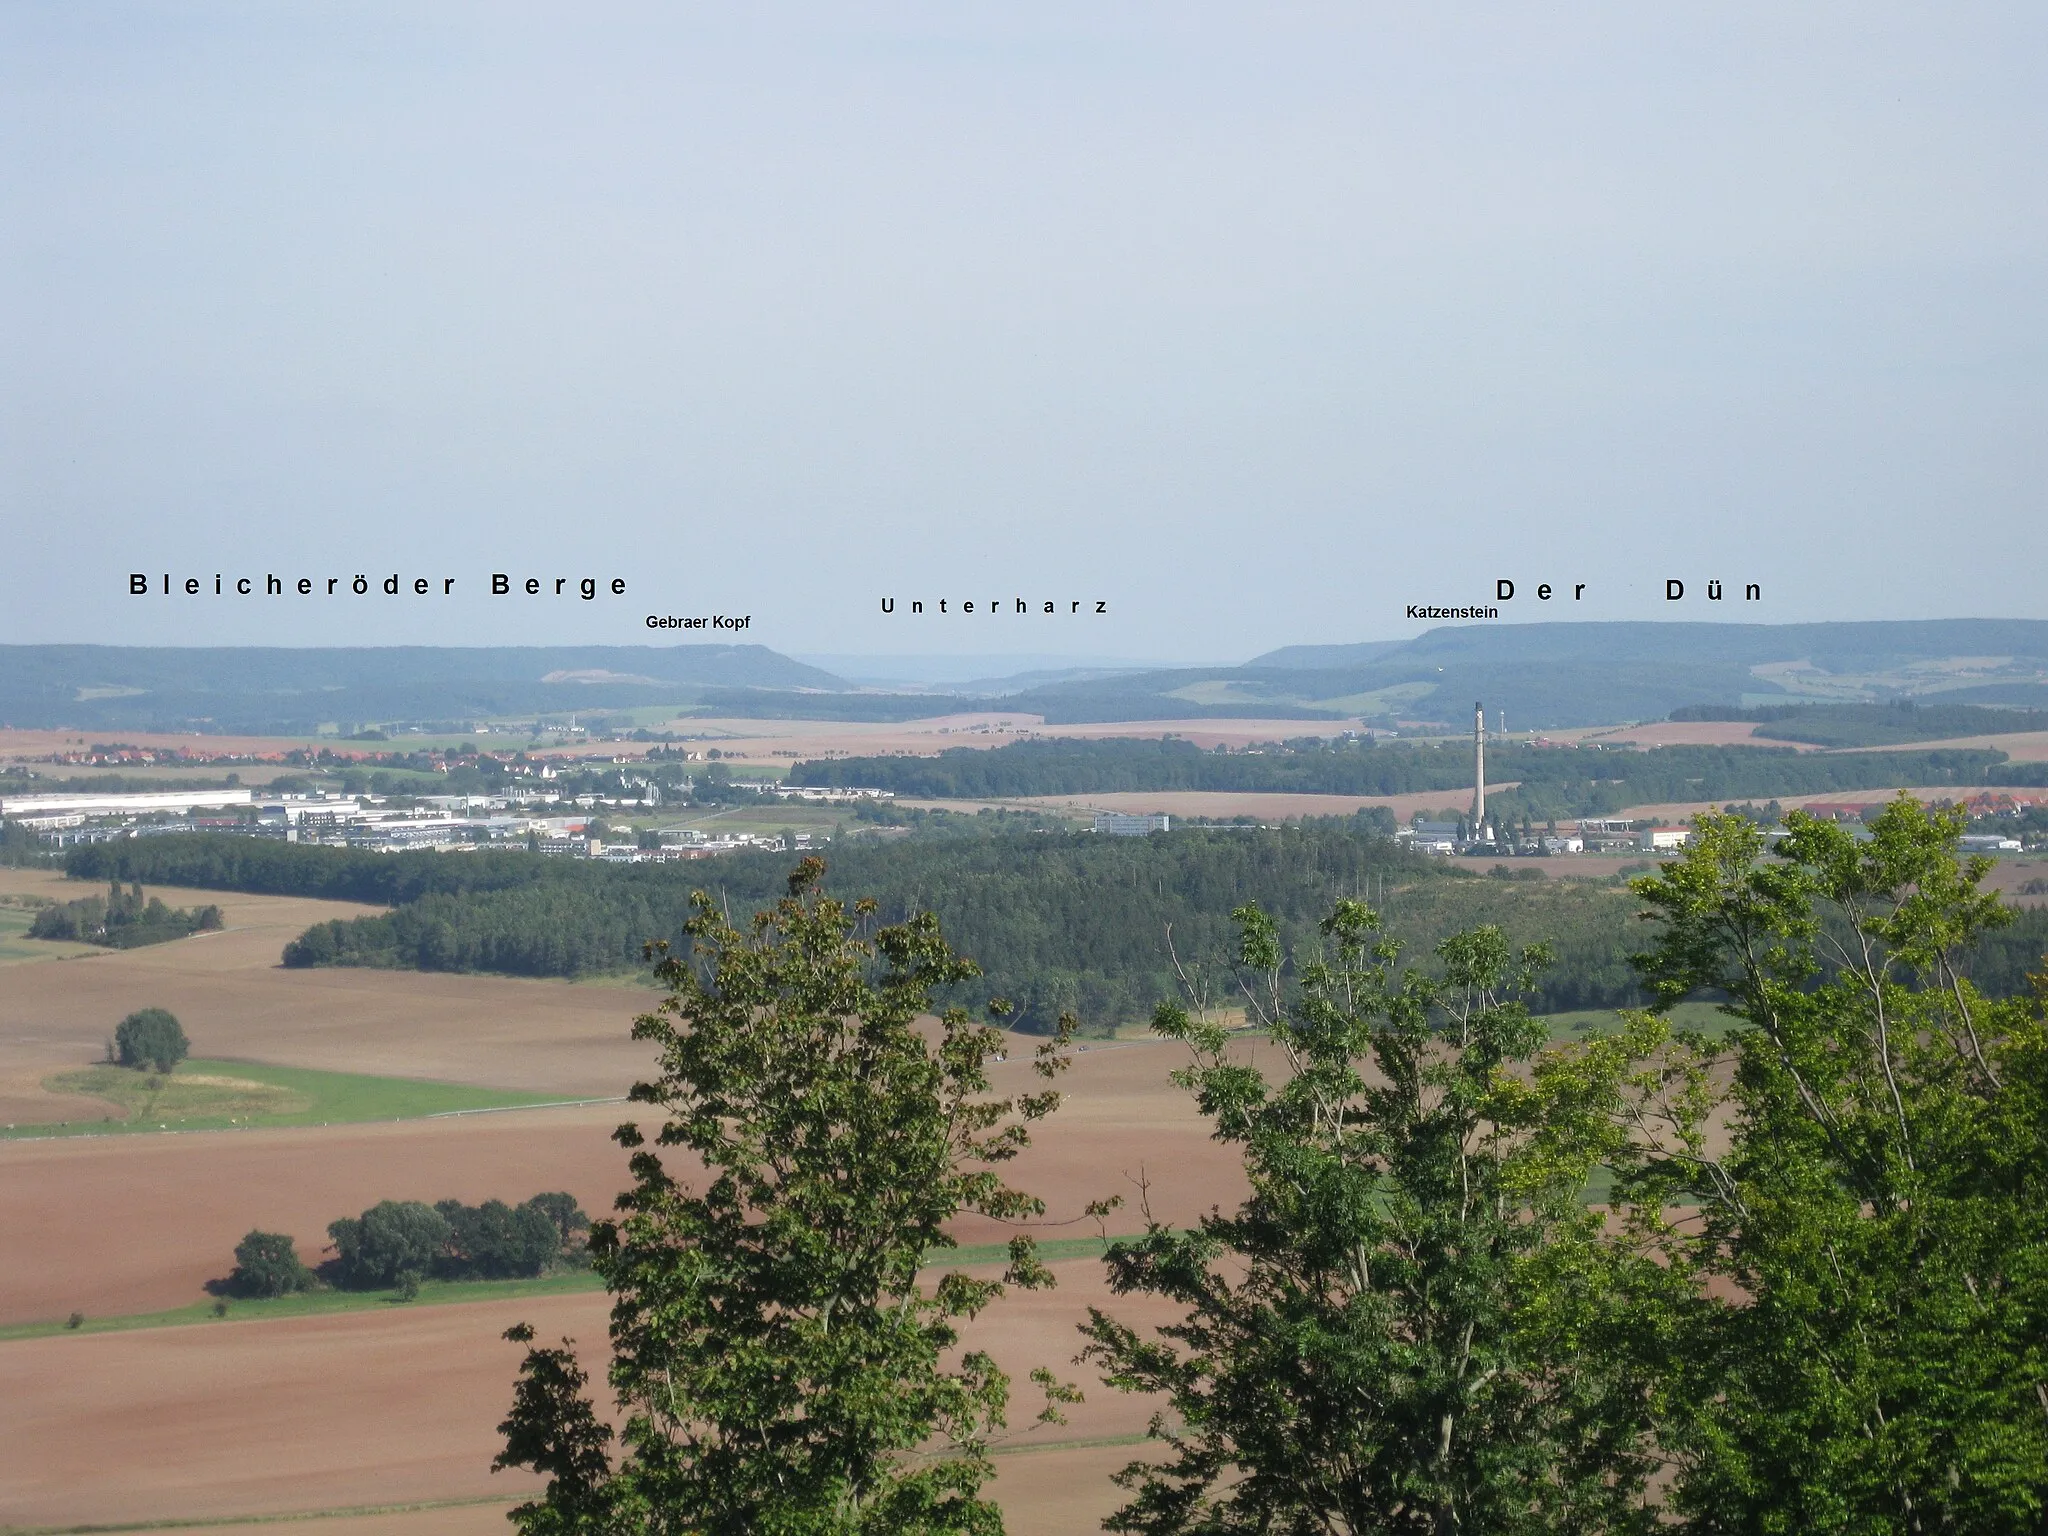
<point x="1118" y="824"/>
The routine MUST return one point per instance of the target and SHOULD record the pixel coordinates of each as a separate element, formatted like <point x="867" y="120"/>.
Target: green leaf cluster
<point x="1813" y="1296"/>
<point x="1400" y="1330"/>
<point x="1867" y="1350"/>
<point x="777" y="1365"/>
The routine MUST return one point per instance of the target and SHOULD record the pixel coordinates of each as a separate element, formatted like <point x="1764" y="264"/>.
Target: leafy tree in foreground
<point x="778" y="1366"/>
<point x="1392" y="1334"/>
<point x="267" y="1264"/>
<point x="151" y="1038"/>
<point x="1879" y="1229"/>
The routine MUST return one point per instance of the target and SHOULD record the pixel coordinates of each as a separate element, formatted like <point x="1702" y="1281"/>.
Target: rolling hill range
<point x="1551" y="676"/>
<point x="257" y="690"/>
<point x="1546" y="676"/>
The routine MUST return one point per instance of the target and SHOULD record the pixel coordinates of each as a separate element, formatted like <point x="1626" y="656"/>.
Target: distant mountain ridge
<point x="1327" y="658"/>
<point x="268" y="690"/>
<point x="1545" y="676"/>
<point x="1557" y="675"/>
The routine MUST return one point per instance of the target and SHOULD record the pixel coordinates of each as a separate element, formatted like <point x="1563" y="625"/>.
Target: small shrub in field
<point x="75" y="1320"/>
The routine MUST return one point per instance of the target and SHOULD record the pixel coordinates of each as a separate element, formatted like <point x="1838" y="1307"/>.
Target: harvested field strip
<point x="1068" y="1445"/>
<point x="449" y="1292"/>
<point x="315" y="1304"/>
<point x="215" y="1522"/>
<point x="359" y="1511"/>
<point x="116" y="1100"/>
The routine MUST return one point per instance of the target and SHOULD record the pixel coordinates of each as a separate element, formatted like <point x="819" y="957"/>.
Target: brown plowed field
<point x="469" y="1517"/>
<point x="236" y="1000"/>
<point x="2009" y="875"/>
<point x="777" y="743"/>
<point x="2020" y="746"/>
<point x="107" y="1225"/>
<point x="396" y="1406"/>
<point x="750" y="740"/>
<point x="400" y="1406"/>
<point x="1673" y="733"/>
<point x="243" y="1418"/>
<point x="39" y="746"/>
<point x="1054" y="1491"/>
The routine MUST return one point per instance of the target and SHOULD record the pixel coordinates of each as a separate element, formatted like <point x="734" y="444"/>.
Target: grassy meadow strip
<point x="204" y="1095"/>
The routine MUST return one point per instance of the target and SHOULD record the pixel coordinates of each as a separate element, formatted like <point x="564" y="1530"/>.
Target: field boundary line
<point x="214" y="1130"/>
<point x="285" y="1517"/>
<point x="506" y="1109"/>
<point x="1049" y="1445"/>
<point x="436" y="1293"/>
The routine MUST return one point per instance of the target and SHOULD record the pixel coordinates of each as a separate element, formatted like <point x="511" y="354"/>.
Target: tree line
<point x="122" y="919"/>
<point x="1554" y="781"/>
<point x="398" y="1243"/>
<point x="20" y="846"/>
<point x="1872" y="725"/>
<point x="1058" y="922"/>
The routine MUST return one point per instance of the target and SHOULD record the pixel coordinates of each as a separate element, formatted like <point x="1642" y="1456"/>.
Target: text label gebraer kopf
<point x="587" y="588"/>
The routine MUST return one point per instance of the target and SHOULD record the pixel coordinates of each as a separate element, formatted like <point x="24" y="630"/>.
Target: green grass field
<point x="227" y="1095"/>
<point x="16" y="946"/>
<point x="317" y="1304"/>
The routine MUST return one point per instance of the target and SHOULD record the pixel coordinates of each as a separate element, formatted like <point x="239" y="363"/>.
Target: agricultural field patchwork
<point x="222" y="1095"/>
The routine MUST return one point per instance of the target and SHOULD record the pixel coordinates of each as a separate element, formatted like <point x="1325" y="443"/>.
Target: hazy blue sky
<point x="1256" y="322"/>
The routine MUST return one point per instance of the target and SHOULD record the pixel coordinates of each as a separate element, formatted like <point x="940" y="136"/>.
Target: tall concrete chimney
<point x="1478" y="769"/>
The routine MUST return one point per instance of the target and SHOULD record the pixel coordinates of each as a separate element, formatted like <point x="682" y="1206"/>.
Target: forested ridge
<point x="1871" y="725"/>
<point x="1554" y="781"/>
<point x="1056" y="921"/>
<point x="273" y="690"/>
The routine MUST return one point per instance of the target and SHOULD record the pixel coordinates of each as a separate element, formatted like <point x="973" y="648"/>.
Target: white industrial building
<point x="170" y="802"/>
<point x="1122" y="824"/>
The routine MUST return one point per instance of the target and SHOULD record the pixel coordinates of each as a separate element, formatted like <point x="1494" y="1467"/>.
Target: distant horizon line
<point x="1074" y="659"/>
